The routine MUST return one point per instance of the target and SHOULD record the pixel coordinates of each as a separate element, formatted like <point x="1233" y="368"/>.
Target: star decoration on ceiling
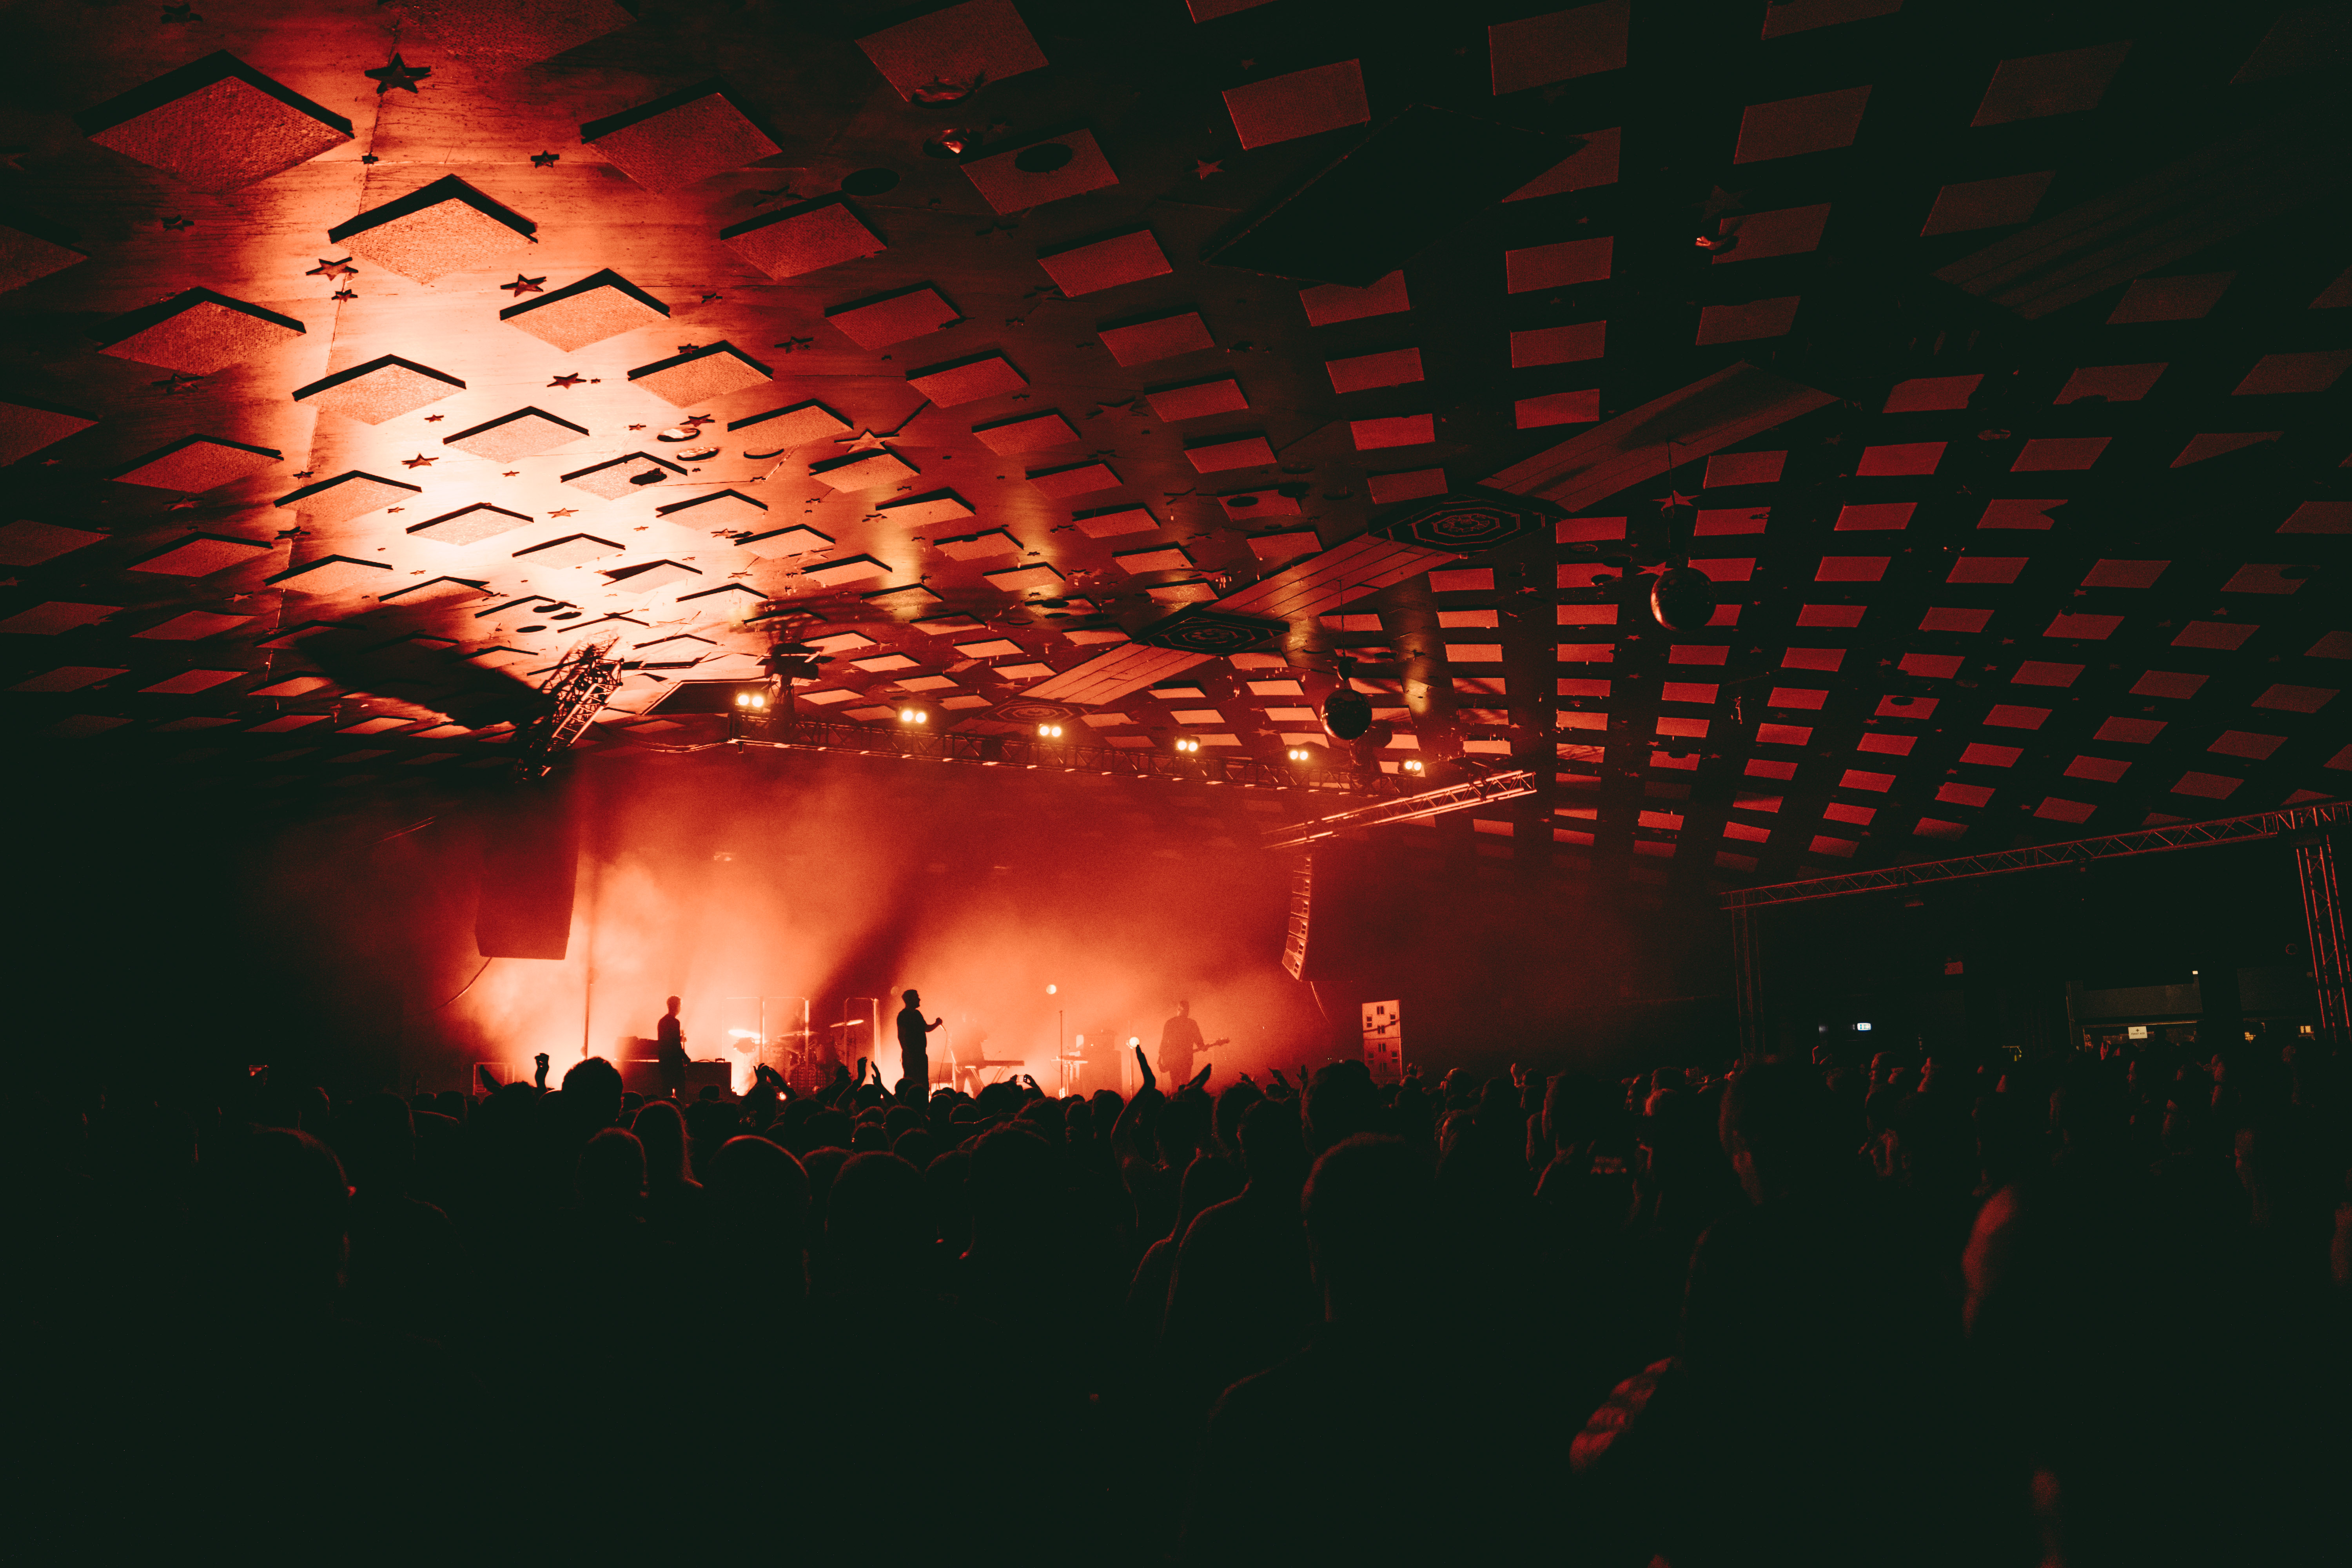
<point x="399" y="74"/>
<point x="699" y="420"/>
<point x="434" y="418"/>
<point x="511" y="473"/>
<point x="562" y="512"/>
<point x="637" y="426"/>
<point x="864" y="441"/>
<point x="304" y="474"/>
<point x="418" y="461"/>
<point x="565" y="380"/>
<point x="707" y="297"/>
<point x="522" y="284"/>
<point x="793" y="345"/>
<point x="1673" y="498"/>
<point x="343" y="294"/>
<point x="544" y="160"/>
<point x="1202" y="168"/>
<point x="181" y="14"/>
<point x="184" y="505"/>
<point x="179" y="223"/>
<point x="370" y="158"/>
<point x="326" y="269"/>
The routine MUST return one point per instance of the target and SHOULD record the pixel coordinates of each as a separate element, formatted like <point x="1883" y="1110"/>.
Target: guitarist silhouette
<point x="1180" y="1041"/>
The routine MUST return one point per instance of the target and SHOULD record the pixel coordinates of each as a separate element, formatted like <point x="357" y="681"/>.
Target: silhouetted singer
<point x="1180" y="1042"/>
<point x="669" y="1052"/>
<point x="915" y="1047"/>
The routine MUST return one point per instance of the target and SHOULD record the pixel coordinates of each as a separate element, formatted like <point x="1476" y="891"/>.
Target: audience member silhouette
<point x="2071" y="1312"/>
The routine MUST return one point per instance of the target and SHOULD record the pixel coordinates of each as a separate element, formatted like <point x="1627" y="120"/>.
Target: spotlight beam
<point x="1429" y="803"/>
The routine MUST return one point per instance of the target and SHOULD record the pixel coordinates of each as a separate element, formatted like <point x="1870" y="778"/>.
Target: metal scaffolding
<point x="922" y="742"/>
<point x="575" y="691"/>
<point x="1429" y="803"/>
<point x="2304" y="819"/>
<point x="2323" y="917"/>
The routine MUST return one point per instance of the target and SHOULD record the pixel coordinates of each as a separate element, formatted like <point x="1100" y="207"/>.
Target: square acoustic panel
<point x="383" y="388"/>
<point x="196" y="333"/>
<point x="197" y="463"/>
<point x="620" y="476"/>
<point x="26" y="428"/>
<point x="1045" y="170"/>
<point x="700" y="376"/>
<point x="525" y="433"/>
<point x="887" y="319"/>
<point x="719" y="510"/>
<point x="951" y="52"/>
<point x="31" y="251"/>
<point x="573" y="550"/>
<point x="804" y="239"/>
<point x="347" y="496"/>
<point x="217" y="123"/>
<point x="512" y="32"/>
<point x="447" y="227"/>
<point x="601" y="305"/>
<point x="471" y="524"/>
<point x="204" y="555"/>
<point x="779" y="430"/>
<point x="681" y="137"/>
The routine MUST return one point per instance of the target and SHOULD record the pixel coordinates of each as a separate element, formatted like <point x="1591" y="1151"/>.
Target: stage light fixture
<point x="1413" y="765"/>
<point x="1049" y="731"/>
<point x="1186" y="743"/>
<point x="914" y="716"/>
<point x="1052" y="990"/>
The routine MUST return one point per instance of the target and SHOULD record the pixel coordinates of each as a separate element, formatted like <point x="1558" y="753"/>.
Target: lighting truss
<point x="1428" y="802"/>
<point x="576" y="692"/>
<point x="928" y="744"/>
<point x="2310" y="816"/>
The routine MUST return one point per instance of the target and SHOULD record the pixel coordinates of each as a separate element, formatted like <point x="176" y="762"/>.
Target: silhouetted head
<point x="661" y="1127"/>
<point x="673" y="1005"/>
<point x="1185" y="1008"/>
<point x="913" y="998"/>
<point x="279" y="1199"/>
<point x="592" y="1088"/>
<point x="1274" y="1153"/>
<point x="611" y="1176"/>
<point x="877" y="1224"/>
<point x="1368" y="1208"/>
<point x="1342" y="1101"/>
<point x="1776" y="1128"/>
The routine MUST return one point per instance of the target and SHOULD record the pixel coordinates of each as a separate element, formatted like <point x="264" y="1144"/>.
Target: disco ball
<point x="1682" y="599"/>
<point x="1347" y="713"/>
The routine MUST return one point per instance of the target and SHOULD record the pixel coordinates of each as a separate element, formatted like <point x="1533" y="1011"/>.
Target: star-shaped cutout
<point x="637" y="426"/>
<point x="327" y="268"/>
<point x="181" y="14"/>
<point x="305" y="474"/>
<point x="184" y="505"/>
<point x="510" y="473"/>
<point x="791" y="345"/>
<point x="565" y="380"/>
<point x="179" y="223"/>
<point x="544" y="160"/>
<point x="291" y="533"/>
<point x="687" y="348"/>
<point x="1202" y="168"/>
<point x="1674" y="499"/>
<point x="399" y="74"/>
<point x="342" y="294"/>
<point x="418" y="461"/>
<point x="698" y="420"/>
<point x="864" y="441"/>
<point x="707" y="297"/>
<point x="370" y="158"/>
<point x="522" y="284"/>
<point x="434" y="418"/>
<point x="562" y="512"/>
